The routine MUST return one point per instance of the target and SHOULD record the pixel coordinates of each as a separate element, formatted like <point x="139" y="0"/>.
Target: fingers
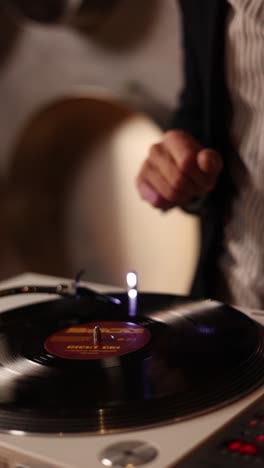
<point x="160" y="183"/>
<point x="161" y="171"/>
<point x="162" y="161"/>
<point x="210" y="164"/>
<point x="177" y="170"/>
<point x="202" y="166"/>
<point x="150" y="194"/>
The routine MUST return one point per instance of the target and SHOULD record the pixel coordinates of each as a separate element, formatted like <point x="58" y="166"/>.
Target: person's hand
<point x="177" y="171"/>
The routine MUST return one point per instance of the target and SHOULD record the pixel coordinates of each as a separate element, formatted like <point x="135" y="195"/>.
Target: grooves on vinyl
<point x="84" y="365"/>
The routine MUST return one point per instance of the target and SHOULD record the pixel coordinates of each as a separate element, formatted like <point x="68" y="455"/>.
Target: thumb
<point x="210" y="162"/>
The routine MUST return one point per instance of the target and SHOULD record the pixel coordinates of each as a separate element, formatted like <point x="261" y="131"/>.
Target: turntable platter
<point x="81" y="365"/>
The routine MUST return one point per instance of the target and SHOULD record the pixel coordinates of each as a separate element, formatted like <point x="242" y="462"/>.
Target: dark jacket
<point x="205" y="112"/>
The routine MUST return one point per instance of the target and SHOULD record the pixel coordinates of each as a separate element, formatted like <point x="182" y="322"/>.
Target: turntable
<point x="93" y="377"/>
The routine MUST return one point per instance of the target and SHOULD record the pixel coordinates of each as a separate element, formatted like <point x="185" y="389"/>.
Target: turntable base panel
<point x="240" y="442"/>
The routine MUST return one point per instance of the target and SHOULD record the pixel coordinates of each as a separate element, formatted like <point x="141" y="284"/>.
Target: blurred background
<point x="83" y="94"/>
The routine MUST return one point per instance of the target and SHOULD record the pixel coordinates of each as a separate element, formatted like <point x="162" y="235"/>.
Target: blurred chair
<point x="70" y="201"/>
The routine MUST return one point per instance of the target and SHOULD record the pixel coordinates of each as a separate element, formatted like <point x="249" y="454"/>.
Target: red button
<point x="253" y="422"/>
<point x="248" y="449"/>
<point x="235" y="446"/>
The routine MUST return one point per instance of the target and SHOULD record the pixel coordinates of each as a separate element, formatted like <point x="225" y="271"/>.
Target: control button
<point x="129" y="453"/>
<point x="253" y="422"/>
<point x="244" y="448"/>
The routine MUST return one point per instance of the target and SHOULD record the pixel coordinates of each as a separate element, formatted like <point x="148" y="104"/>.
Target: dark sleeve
<point x="189" y="114"/>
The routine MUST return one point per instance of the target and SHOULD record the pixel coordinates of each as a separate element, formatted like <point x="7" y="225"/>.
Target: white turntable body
<point x="172" y="441"/>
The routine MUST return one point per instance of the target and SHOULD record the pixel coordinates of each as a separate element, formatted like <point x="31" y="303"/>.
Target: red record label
<point x="97" y="340"/>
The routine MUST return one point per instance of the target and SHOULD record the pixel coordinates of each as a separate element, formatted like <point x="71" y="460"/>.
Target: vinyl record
<point x="86" y="365"/>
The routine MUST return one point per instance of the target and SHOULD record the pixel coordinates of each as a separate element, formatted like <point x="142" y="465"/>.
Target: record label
<point x="97" y="340"/>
